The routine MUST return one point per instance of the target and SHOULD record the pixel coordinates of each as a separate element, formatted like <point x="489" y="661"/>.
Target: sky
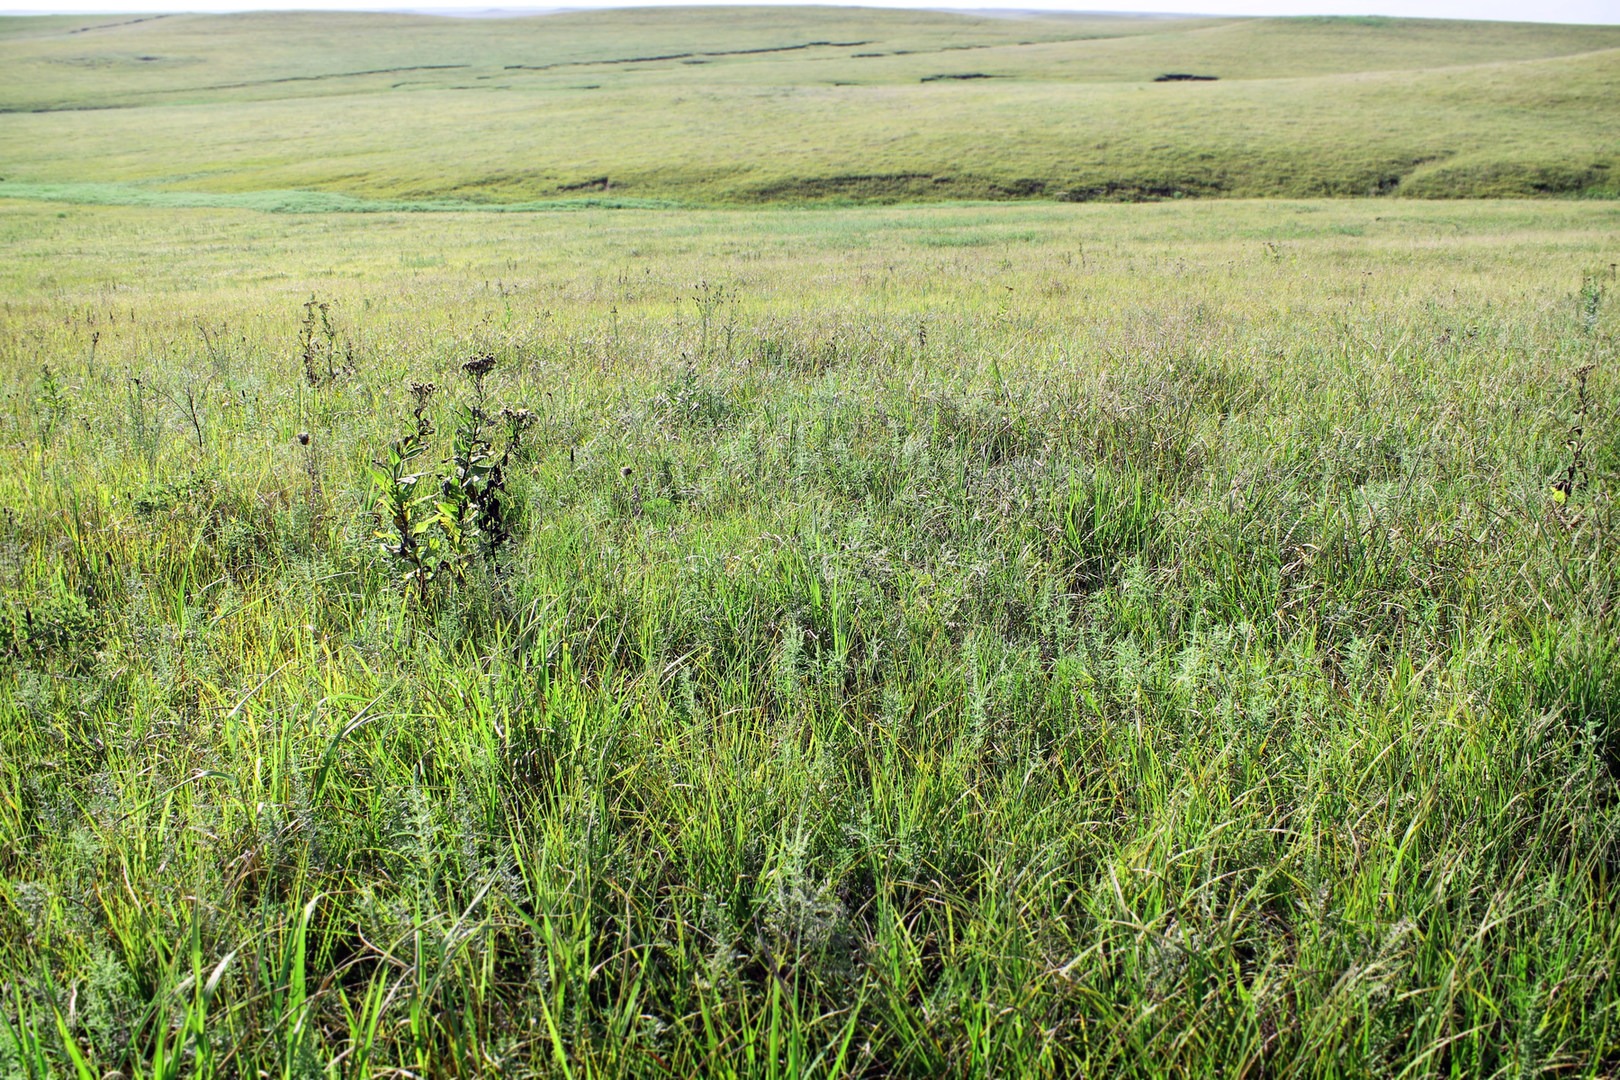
<point x="1566" y="11"/>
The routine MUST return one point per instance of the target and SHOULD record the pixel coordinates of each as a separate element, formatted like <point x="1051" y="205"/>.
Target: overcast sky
<point x="1568" y="11"/>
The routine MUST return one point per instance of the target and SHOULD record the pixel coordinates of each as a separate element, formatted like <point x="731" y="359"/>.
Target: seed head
<point x="480" y="365"/>
<point x="626" y="471"/>
<point x="303" y="438"/>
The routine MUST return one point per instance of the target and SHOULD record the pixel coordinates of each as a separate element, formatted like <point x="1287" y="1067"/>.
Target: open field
<point x="591" y="614"/>
<point x="742" y="106"/>
<point x="971" y="639"/>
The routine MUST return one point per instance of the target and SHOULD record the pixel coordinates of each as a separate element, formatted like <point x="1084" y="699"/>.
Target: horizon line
<point x="1024" y="8"/>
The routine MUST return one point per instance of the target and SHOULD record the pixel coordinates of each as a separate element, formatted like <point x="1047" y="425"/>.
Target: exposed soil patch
<point x="109" y="26"/>
<point x="1136" y="191"/>
<point x="599" y="183"/>
<point x="1179" y="76"/>
<point x="333" y="75"/>
<point x="688" y="56"/>
<point x="6" y="110"/>
<point x="1018" y="189"/>
<point x="876" y="187"/>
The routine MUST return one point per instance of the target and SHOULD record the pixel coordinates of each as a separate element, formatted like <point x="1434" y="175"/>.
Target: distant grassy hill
<point x="741" y="105"/>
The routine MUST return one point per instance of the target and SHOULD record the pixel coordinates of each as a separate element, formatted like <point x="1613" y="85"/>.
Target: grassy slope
<point x="533" y="109"/>
<point x="1032" y="640"/>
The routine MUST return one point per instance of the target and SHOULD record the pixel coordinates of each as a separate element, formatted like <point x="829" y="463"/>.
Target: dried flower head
<point x="626" y="471"/>
<point x="303" y="438"/>
<point x="480" y="365"/>
<point x="422" y="391"/>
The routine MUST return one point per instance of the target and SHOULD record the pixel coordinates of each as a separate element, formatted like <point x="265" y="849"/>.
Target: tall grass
<point x="1146" y="642"/>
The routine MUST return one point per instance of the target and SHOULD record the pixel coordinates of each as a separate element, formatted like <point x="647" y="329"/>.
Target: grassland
<point x="742" y="106"/>
<point x="492" y="582"/>
<point x="973" y="640"/>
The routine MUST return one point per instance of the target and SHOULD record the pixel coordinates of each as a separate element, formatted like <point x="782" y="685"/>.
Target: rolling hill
<point x="727" y="106"/>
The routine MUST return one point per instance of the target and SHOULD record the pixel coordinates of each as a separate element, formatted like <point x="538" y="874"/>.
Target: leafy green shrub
<point x="440" y="524"/>
<point x="327" y="355"/>
<point x="59" y="626"/>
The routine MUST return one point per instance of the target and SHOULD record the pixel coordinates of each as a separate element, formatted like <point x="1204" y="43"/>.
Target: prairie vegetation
<point x="965" y="640"/>
<point x="750" y="105"/>
<point x="593" y="615"/>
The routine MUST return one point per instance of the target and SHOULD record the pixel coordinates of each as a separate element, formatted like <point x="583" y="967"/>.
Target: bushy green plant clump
<point x="979" y="641"/>
<point x="465" y="522"/>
